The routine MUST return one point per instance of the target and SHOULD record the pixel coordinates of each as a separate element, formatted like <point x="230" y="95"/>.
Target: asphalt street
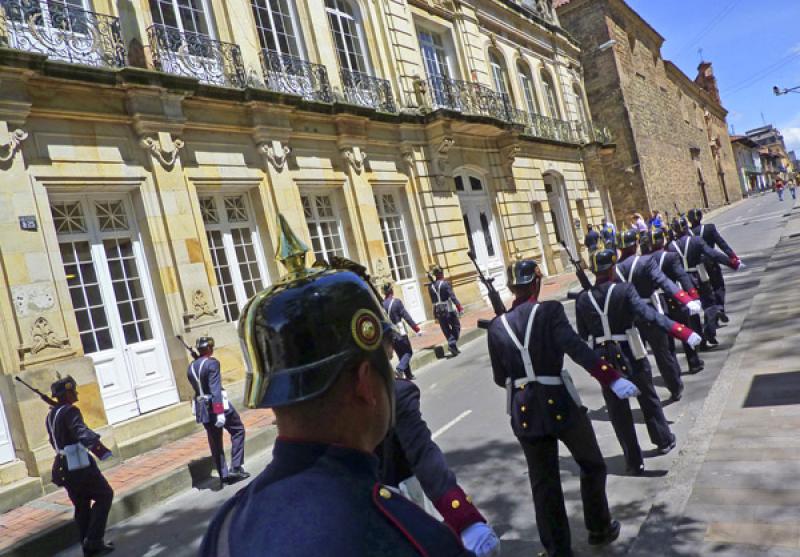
<point x="465" y="410"/>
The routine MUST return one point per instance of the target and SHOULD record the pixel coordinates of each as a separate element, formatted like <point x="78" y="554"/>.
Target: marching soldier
<point x="446" y="309"/>
<point x="402" y="345"/>
<point x="714" y="239"/>
<point x="670" y="264"/>
<point x="605" y="316"/>
<point x="694" y="252"/>
<point x="76" y="471"/>
<point x="592" y="239"/>
<point x="409" y="450"/>
<point x="215" y="412"/>
<point x="318" y="348"/>
<point x="527" y="347"/>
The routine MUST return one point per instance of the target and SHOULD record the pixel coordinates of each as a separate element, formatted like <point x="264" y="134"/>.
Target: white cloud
<point x="792" y="137"/>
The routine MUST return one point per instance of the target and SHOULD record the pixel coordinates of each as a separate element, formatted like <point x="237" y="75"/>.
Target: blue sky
<point x="753" y="46"/>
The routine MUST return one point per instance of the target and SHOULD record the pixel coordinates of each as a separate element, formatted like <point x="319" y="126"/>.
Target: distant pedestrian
<point x="609" y="232"/>
<point x="215" y="412"/>
<point x="592" y="239"/>
<point x="446" y="309"/>
<point x="402" y="346"/>
<point x="779" y="189"/>
<point x="76" y="471"/>
<point x="655" y="220"/>
<point x="793" y="189"/>
<point x="637" y="222"/>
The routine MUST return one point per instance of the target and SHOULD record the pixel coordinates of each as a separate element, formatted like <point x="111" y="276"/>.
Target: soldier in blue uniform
<point x="215" y="412"/>
<point x="670" y="264"/>
<point x="318" y="345"/>
<point x="714" y="239"/>
<point x="402" y="345"/>
<point x="695" y="253"/>
<point x="605" y="316"/>
<point x="446" y="309"/>
<point x="592" y="239"/>
<point x="76" y="471"/>
<point x="527" y="347"/>
<point x="409" y="450"/>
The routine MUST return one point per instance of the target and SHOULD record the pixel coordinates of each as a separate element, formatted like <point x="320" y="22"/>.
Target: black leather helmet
<point x="387" y="287"/>
<point x="695" y="216"/>
<point x="658" y="238"/>
<point x="436" y="271"/>
<point x="629" y="238"/>
<point x="645" y="244"/>
<point x="204" y="343"/>
<point x="62" y="386"/>
<point x="299" y="334"/>
<point x="603" y="260"/>
<point x="521" y="272"/>
<point x="680" y="226"/>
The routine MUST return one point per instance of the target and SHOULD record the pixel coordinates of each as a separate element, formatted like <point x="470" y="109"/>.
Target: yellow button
<point x="525" y="425"/>
<point x="469" y="499"/>
<point x="559" y="417"/>
<point x="624" y="368"/>
<point x="385" y="493"/>
<point x="523" y="408"/>
<point x="455" y="504"/>
<point x="680" y="329"/>
<point x="619" y="356"/>
<point x="604" y="368"/>
<point x="551" y="402"/>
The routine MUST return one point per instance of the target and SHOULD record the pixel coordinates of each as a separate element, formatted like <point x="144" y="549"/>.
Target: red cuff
<point x="460" y="309"/>
<point x="604" y="373"/>
<point x="694" y="294"/>
<point x="217" y="408"/>
<point x="457" y="509"/>
<point x="681" y="332"/>
<point x="416" y="329"/>
<point x="734" y="261"/>
<point x="683" y="297"/>
<point x="100" y="450"/>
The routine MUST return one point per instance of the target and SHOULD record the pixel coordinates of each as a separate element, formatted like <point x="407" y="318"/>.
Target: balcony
<point x="466" y="97"/>
<point x="364" y="90"/>
<point x="62" y="32"/>
<point x="196" y="55"/>
<point x="285" y="73"/>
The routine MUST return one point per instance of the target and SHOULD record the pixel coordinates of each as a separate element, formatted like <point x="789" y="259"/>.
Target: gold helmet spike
<point x="291" y="249"/>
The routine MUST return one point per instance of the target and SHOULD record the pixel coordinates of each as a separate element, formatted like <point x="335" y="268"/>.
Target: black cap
<point x="695" y="216"/>
<point x="299" y="334"/>
<point x="521" y="272"/>
<point x="680" y="226"/>
<point x="204" y="343"/>
<point x="629" y="238"/>
<point x="62" y="386"/>
<point x="603" y="260"/>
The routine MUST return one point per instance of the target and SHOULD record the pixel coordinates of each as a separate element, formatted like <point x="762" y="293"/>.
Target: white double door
<point x="114" y="303"/>
<point x="6" y="446"/>
<point x="481" y="231"/>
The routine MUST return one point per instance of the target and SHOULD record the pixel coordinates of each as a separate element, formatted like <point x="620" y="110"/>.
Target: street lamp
<point x="778" y="91"/>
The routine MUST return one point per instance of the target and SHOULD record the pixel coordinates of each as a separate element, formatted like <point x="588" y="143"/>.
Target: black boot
<point x="607" y="536"/>
<point x="236" y="475"/>
<point x="97" y="547"/>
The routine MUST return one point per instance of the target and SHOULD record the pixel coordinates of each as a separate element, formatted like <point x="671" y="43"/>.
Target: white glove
<point x="695" y="307"/>
<point x="741" y="266"/>
<point x="624" y="388"/>
<point x="481" y="540"/>
<point x="694" y="340"/>
<point x="220" y="420"/>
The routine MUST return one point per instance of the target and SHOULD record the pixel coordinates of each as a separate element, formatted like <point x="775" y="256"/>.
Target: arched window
<point x="275" y="25"/>
<point x="550" y="96"/>
<point x="583" y="117"/>
<point x="528" y="88"/>
<point x="499" y="73"/>
<point x="348" y="35"/>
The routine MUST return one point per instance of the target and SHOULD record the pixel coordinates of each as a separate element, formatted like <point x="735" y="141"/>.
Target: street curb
<point x="62" y="535"/>
<point x="430" y="356"/>
<point x="668" y="507"/>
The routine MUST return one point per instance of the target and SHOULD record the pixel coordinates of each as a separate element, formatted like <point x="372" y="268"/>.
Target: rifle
<point x="43" y="396"/>
<point x="191" y="350"/>
<point x="494" y="296"/>
<point x="579" y="272"/>
<point x="674" y="204"/>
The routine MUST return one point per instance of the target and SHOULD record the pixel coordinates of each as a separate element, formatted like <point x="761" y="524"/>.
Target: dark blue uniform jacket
<point x="713" y="238"/>
<point x="398" y="311"/>
<point x="698" y="251"/>
<point x="210" y="379"/>
<point x="647" y="278"/>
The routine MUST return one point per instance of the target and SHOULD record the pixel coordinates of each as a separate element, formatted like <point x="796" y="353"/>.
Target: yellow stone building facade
<point x="145" y="154"/>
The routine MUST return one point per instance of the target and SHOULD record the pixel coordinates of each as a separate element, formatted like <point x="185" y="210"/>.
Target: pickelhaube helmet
<point x="680" y="226"/>
<point x="204" y="343"/>
<point x="299" y="334"/>
<point x="437" y="270"/>
<point x="695" y="216"/>
<point x="62" y="386"/>
<point x="522" y="272"/>
<point x="603" y="260"/>
<point x="387" y="288"/>
<point x="645" y="243"/>
<point x="629" y="238"/>
<point x="658" y="238"/>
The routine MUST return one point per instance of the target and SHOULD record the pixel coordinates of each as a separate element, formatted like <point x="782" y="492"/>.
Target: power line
<point x="761" y="74"/>
<point x="710" y="26"/>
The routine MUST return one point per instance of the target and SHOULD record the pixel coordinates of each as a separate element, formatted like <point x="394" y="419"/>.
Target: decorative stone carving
<point x="15" y="139"/>
<point x="201" y="306"/>
<point x="508" y="155"/>
<point x="42" y="337"/>
<point x="163" y="148"/>
<point x="32" y="299"/>
<point x="276" y="153"/>
<point x="441" y="160"/>
<point x="383" y="274"/>
<point x="355" y="157"/>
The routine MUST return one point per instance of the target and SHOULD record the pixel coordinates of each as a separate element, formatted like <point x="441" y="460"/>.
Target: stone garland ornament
<point x="8" y="150"/>
<point x="167" y="157"/>
<point x="42" y="337"/>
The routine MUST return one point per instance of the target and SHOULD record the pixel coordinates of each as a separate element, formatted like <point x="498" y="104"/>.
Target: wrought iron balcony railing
<point x="62" y="32"/>
<point x="196" y="55"/>
<point x="467" y="98"/>
<point x="589" y="133"/>
<point x="290" y="74"/>
<point x="366" y="90"/>
<point x="550" y="128"/>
